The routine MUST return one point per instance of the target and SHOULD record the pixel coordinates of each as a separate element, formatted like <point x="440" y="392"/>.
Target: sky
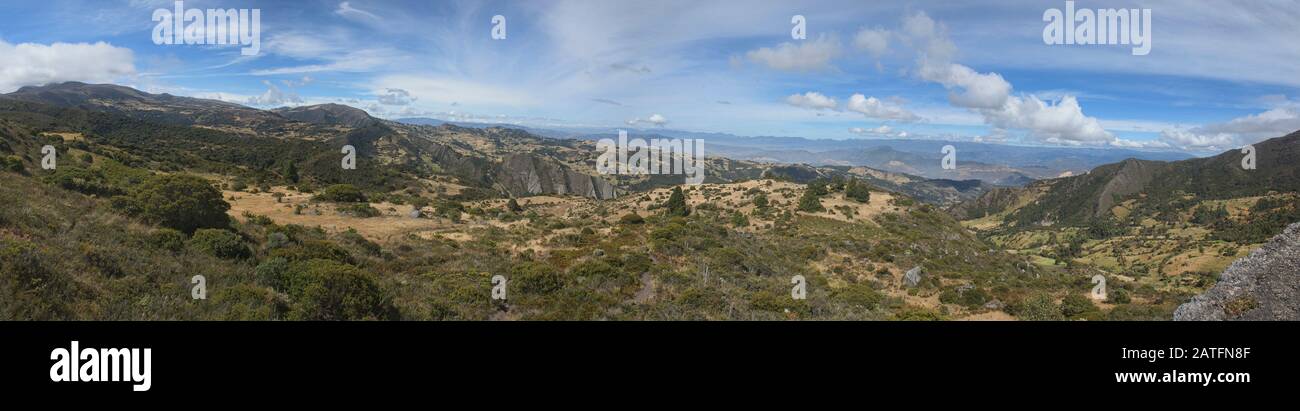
<point x="1218" y="75"/>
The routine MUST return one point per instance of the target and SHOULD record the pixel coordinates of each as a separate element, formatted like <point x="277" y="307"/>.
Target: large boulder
<point x="1264" y="285"/>
<point x="913" y="277"/>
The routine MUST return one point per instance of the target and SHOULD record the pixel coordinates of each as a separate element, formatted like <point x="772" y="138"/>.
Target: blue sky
<point x="1218" y="75"/>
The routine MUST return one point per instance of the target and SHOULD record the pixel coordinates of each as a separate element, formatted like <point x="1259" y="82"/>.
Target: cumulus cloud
<point x="30" y="64"/>
<point x="812" y="100"/>
<point x="881" y="131"/>
<point x="1275" y="122"/>
<point x="807" y="55"/>
<point x="990" y="95"/>
<point x="873" y="41"/>
<point x="1060" y="123"/>
<point x="395" y="97"/>
<point x="875" y="108"/>
<point x="1192" y="140"/>
<point x="274" y="96"/>
<point x="656" y="120"/>
<point x="969" y="88"/>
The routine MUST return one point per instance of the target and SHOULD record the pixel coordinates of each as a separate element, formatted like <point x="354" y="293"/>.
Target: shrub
<point x="182" y="202"/>
<point x="739" y="220"/>
<point x="219" y="243"/>
<point x="1078" y="306"/>
<point x="1038" y="307"/>
<point x="513" y="205"/>
<point x="536" y="278"/>
<point x="342" y="193"/>
<point x="273" y="273"/>
<point x="676" y="204"/>
<point x="860" y="295"/>
<point x="631" y="218"/>
<point x="1118" y="296"/>
<point x="166" y="239"/>
<point x="12" y="163"/>
<point x="857" y="191"/>
<point x="314" y="249"/>
<point x="810" y="203"/>
<point x="328" y="290"/>
<point x="359" y="210"/>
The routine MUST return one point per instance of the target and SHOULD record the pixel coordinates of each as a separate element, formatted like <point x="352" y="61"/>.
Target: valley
<point x="151" y="189"/>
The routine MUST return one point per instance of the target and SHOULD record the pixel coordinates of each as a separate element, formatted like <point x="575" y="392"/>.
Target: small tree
<point x="809" y="203"/>
<point x="857" y="191"/>
<point x="183" y="202"/>
<point x="342" y="193"/>
<point x="291" y="172"/>
<point x="219" y="243"/>
<point x="676" y="204"/>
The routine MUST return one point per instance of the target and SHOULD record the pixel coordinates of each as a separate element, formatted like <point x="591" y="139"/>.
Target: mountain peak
<point x="329" y="113"/>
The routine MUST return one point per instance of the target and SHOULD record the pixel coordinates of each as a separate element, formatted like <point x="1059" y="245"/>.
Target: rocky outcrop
<point x="1262" y="286"/>
<point x="913" y="277"/>
<point x="525" y="174"/>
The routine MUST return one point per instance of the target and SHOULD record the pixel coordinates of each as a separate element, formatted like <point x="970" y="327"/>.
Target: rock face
<point x="913" y="277"/>
<point x="523" y="174"/>
<point x="1262" y="286"/>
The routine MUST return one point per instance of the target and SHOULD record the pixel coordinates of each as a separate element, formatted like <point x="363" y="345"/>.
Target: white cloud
<point x="30" y="64"/>
<point x="812" y="100"/>
<point x="449" y="90"/>
<point x="274" y="96"/>
<point x="874" y="41"/>
<point x="656" y="120"/>
<point x="990" y="95"/>
<point x="1276" y="122"/>
<point x="1061" y="123"/>
<point x="395" y="97"/>
<point x="807" y="55"/>
<point x="977" y="90"/>
<point x="880" y="131"/>
<point x="346" y="10"/>
<point x="875" y="108"/>
<point x="1189" y="140"/>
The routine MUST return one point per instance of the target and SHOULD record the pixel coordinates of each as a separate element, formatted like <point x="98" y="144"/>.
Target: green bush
<point x="1118" y="296"/>
<point x="810" y="203"/>
<point x="857" y="191"/>
<point x="182" y="202"/>
<point x="860" y="295"/>
<point x="325" y="290"/>
<point x="219" y="243"/>
<point x="359" y="210"/>
<point x="1038" y="307"/>
<point x="166" y="239"/>
<point x="273" y="273"/>
<point x="314" y="249"/>
<point x="12" y="163"/>
<point x="536" y="278"/>
<point x="1075" y="306"/>
<point x="676" y="204"/>
<point x="342" y="193"/>
<point x="631" y="218"/>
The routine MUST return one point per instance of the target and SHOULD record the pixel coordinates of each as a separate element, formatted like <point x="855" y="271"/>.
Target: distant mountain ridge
<point x="997" y="164"/>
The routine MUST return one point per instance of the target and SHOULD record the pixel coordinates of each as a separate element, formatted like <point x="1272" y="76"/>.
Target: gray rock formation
<point x="913" y="277"/>
<point x="524" y="174"/>
<point x="1264" y="285"/>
